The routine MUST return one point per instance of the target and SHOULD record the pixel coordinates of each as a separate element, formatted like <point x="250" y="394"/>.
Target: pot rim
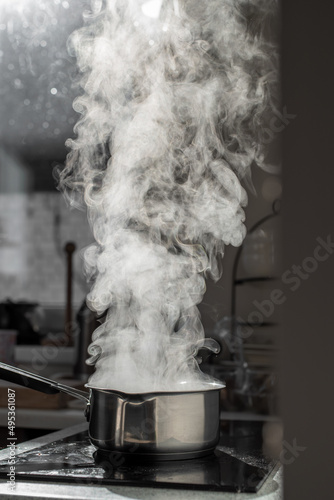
<point x="215" y="386"/>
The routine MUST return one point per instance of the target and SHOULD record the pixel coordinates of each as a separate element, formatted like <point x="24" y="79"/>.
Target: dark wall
<point x="308" y="227"/>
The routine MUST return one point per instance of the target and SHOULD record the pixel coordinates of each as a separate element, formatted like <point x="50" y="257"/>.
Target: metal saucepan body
<point x="178" y="424"/>
<point x="165" y="425"/>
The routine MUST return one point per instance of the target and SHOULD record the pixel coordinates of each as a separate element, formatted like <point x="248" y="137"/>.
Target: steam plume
<point x="174" y="97"/>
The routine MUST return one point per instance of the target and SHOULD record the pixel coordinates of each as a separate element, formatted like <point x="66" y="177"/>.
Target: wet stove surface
<point x="238" y="464"/>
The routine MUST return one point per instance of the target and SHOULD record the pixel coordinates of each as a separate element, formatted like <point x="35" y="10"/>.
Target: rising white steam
<point x="174" y="97"/>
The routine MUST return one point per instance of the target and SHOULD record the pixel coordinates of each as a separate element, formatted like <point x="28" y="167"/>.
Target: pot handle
<point x="38" y="383"/>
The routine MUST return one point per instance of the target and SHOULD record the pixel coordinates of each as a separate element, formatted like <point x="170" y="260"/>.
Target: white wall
<point x="34" y="229"/>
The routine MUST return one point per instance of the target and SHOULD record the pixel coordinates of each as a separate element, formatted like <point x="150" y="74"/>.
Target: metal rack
<point x="236" y="282"/>
<point x="249" y="384"/>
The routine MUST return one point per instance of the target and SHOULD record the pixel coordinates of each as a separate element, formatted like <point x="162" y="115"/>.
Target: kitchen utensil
<point x="69" y="250"/>
<point x="87" y="322"/>
<point x="162" y="425"/>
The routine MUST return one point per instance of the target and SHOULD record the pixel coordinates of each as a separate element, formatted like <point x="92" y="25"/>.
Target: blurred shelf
<point x="248" y="416"/>
<point x="254" y="279"/>
<point x="261" y="347"/>
<point x="254" y="323"/>
<point x="44" y="354"/>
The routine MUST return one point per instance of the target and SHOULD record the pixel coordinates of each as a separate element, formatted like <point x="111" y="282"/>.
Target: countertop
<point x="270" y="490"/>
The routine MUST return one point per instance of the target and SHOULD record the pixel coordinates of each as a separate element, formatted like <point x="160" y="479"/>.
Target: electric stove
<point x="238" y="463"/>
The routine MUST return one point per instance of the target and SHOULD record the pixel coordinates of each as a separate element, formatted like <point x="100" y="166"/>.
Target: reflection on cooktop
<point x="237" y="464"/>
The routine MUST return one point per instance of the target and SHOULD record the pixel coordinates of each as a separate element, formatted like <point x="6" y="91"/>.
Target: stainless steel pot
<point x="165" y="425"/>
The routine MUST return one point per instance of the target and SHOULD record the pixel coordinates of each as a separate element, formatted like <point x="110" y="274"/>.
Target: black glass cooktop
<point x="238" y="464"/>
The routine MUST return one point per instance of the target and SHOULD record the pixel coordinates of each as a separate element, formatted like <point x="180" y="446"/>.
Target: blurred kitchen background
<point x="43" y="287"/>
<point x="36" y="224"/>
